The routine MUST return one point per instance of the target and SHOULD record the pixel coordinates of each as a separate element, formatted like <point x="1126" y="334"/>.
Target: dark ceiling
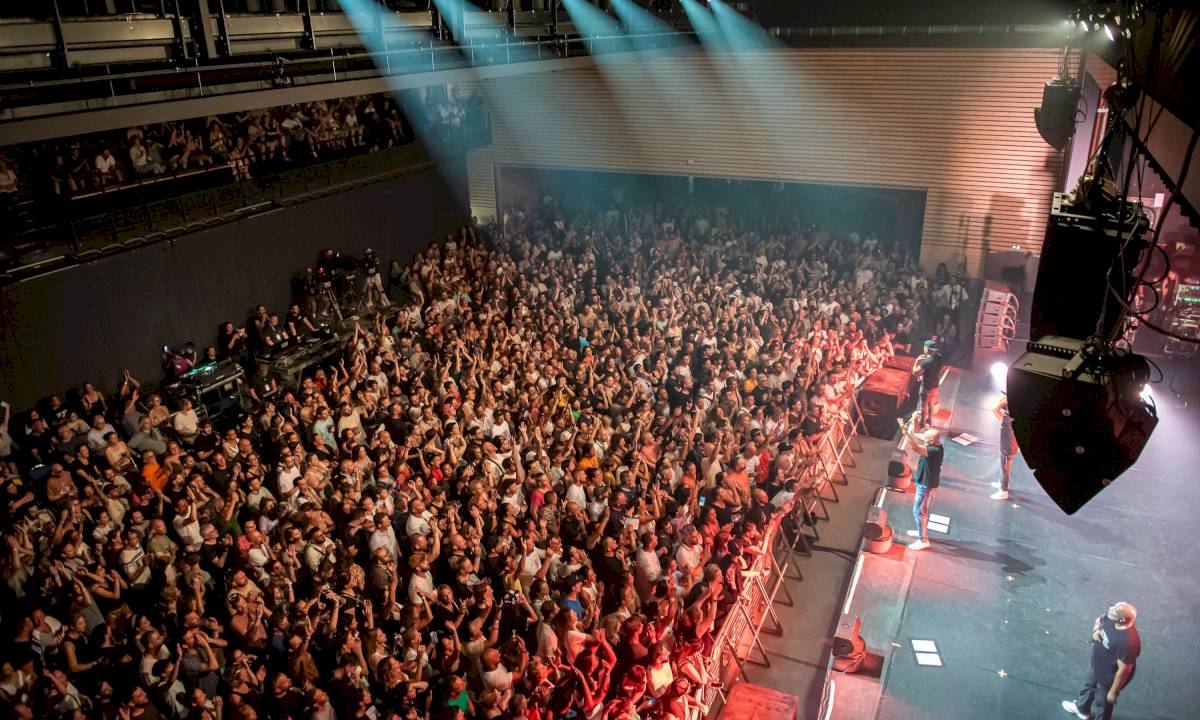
<point x="826" y="13"/>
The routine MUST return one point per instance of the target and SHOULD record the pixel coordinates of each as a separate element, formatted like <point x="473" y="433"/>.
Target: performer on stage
<point x="928" y="369"/>
<point x="1008" y="448"/>
<point x="1115" y="647"/>
<point x="927" y="444"/>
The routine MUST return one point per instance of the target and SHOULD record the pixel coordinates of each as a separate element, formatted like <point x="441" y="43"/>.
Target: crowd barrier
<point x="738" y="641"/>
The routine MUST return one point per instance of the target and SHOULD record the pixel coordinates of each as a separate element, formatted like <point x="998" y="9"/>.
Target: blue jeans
<point x="921" y="510"/>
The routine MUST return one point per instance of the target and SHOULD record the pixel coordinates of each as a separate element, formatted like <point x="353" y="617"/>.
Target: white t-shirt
<point x="105" y="165"/>
<point x="499" y="679"/>
<point x="6" y="441"/>
<point x="385" y="539"/>
<point x="533" y="562"/>
<point x="186" y="424"/>
<point x="188" y="530"/>
<point x="418" y="524"/>
<point x="647" y="570"/>
<point x="420" y="582"/>
<point x="688" y="558"/>
<point x="286" y="480"/>
<point x="95" y="438"/>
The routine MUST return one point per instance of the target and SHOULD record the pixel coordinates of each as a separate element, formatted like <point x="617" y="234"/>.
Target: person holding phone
<point x="927" y="444"/>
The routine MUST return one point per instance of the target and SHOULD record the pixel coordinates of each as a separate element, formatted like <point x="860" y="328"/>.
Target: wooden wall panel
<point x="957" y="123"/>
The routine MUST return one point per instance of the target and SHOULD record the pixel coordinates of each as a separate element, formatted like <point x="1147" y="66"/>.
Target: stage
<point x="1001" y="605"/>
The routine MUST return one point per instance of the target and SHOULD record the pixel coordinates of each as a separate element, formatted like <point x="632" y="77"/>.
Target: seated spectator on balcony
<point x="8" y="179"/>
<point x="61" y="180"/>
<point x="107" y="168"/>
<point x="79" y="169"/>
<point x="193" y="155"/>
<point x="295" y="129"/>
<point x="218" y="141"/>
<point x="139" y="157"/>
<point x="241" y="157"/>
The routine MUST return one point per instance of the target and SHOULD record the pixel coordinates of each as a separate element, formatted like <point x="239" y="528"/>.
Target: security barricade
<point x="737" y="642"/>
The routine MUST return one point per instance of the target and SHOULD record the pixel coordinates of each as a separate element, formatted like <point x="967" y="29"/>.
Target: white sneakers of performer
<point x="1069" y="706"/>
<point x="996" y="484"/>
<point x="912" y="533"/>
<point x="918" y="545"/>
<point x="999" y="495"/>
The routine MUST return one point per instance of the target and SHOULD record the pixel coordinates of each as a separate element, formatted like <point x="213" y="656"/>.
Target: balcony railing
<point x="63" y="231"/>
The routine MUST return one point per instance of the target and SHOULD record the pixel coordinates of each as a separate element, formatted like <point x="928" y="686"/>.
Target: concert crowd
<point x="528" y="490"/>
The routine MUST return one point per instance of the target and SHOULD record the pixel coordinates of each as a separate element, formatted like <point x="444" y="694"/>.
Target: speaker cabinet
<point x="1077" y="254"/>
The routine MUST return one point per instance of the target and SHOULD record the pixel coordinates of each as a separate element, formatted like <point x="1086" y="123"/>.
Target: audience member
<point x="526" y="493"/>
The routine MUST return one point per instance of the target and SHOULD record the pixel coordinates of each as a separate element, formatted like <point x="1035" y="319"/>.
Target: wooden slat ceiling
<point x="957" y="123"/>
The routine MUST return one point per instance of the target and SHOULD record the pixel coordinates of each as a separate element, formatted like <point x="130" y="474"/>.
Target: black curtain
<point x="90" y="321"/>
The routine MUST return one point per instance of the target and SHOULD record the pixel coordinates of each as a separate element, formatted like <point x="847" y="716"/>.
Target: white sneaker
<point x="999" y="495"/>
<point x="912" y="533"/>
<point x="1069" y="706"/>
<point x="918" y="545"/>
<point x="996" y="484"/>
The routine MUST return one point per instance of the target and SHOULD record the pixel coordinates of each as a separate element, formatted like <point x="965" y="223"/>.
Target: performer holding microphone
<point x="928" y="369"/>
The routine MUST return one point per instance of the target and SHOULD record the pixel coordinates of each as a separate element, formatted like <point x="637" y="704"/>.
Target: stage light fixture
<point x="999" y="371"/>
<point x="1108" y="32"/>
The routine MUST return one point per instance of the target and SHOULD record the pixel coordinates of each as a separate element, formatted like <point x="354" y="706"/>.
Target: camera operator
<point x="308" y="288"/>
<point x="373" y="284"/>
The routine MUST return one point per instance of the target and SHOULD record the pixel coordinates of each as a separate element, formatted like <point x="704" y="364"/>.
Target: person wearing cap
<point x="927" y="444"/>
<point x="1116" y="645"/>
<point x="928" y="370"/>
<point x="1008" y="448"/>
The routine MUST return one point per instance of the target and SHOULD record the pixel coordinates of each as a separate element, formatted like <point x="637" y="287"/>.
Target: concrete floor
<point x="798" y="657"/>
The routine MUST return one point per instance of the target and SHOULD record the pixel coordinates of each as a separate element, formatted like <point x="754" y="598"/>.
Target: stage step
<point x="748" y="701"/>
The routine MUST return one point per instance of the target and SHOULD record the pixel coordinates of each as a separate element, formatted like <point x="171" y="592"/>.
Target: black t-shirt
<point x="1124" y="645"/>
<point x="933" y="372"/>
<point x="223" y="347"/>
<point x="206" y="442"/>
<point x="219" y="478"/>
<point x="1008" y="439"/>
<point x="929" y="469"/>
<point x="296" y="320"/>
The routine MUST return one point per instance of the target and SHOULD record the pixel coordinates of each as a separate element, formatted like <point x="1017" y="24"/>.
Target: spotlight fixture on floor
<point x="999" y="371"/>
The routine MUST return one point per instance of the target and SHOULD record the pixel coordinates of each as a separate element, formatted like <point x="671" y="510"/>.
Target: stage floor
<point x="1008" y="594"/>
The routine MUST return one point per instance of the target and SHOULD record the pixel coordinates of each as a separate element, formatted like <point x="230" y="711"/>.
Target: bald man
<point x="1115" y="647"/>
<point x="927" y="444"/>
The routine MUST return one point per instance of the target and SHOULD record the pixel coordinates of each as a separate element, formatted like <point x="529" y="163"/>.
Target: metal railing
<point x="737" y="643"/>
<point x="151" y="210"/>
